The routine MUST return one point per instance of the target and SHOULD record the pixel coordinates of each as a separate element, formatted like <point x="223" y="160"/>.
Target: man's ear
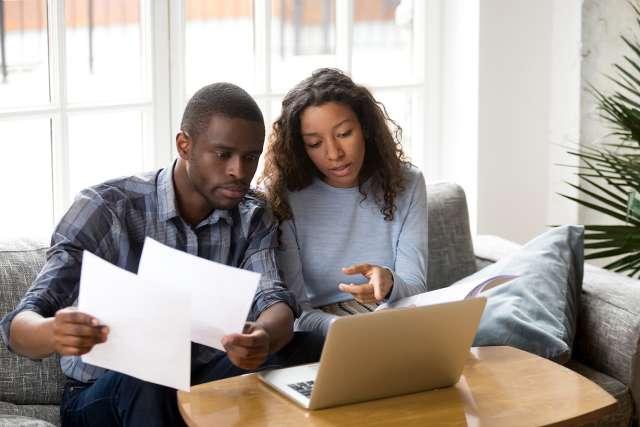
<point x="184" y="145"/>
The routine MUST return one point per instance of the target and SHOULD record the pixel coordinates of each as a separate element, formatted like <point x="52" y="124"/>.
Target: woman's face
<point x="334" y="142"/>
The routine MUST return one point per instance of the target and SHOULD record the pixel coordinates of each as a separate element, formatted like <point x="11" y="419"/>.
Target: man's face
<point x="222" y="161"/>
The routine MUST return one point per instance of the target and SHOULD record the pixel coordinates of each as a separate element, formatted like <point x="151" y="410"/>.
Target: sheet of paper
<point x="466" y="288"/>
<point x="149" y="326"/>
<point x="451" y="293"/>
<point x="221" y="296"/>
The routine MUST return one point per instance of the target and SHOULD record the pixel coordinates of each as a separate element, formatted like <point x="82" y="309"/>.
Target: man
<point x="202" y="205"/>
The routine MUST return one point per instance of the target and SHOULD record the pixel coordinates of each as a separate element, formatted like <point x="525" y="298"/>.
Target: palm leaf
<point x="611" y="203"/>
<point x="600" y="209"/>
<point x="624" y="263"/>
<point x="605" y="190"/>
<point x="622" y="188"/>
<point x="630" y="242"/>
<point x="624" y="83"/>
<point x="609" y="174"/>
<point x="607" y="253"/>
<point x="632" y="63"/>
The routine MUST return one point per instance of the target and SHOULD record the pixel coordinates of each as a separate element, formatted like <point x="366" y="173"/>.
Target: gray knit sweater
<point x="333" y="228"/>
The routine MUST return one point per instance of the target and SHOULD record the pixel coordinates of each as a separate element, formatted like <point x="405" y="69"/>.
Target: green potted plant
<point x="610" y="173"/>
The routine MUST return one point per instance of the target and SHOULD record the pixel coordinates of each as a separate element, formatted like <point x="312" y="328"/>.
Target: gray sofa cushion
<point x="608" y="335"/>
<point x="621" y="415"/>
<point x="24" y="381"/>
<point x="537" y="311"/>
<point x="20" y="421"/>
<point x="450" y="251"/>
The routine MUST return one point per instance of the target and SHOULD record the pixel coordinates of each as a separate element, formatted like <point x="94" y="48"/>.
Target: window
<point x="75" y="103"/>
<point x="268" y="46"/>
<point x="94" y="89"/>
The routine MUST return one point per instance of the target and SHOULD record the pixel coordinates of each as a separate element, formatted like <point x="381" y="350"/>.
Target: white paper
<point x="221" y="296"/>
<point x="466" y="288"/>
<point x="148" y="325"/>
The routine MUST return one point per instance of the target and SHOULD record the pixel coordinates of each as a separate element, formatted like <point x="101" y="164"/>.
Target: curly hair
<point x="289" y="168"/>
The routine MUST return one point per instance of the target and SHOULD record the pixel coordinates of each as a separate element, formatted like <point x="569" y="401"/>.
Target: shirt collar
<point x="216" y="216"/>
<point x="167" y="201"/>
<point x="166" y="194"/>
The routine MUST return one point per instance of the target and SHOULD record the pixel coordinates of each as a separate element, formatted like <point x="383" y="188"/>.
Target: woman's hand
<point x="378" y="287"/>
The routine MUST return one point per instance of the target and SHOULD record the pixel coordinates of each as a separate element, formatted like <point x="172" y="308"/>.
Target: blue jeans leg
<point x="116" y="399"/>
<point x="304" y="347"/>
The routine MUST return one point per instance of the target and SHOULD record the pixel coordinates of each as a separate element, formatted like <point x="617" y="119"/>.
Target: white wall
<point x="506" y="105"/>
<point x="459" y="97"/>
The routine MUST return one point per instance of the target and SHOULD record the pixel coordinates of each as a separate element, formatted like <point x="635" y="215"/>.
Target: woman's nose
<point x="334" y="150"/>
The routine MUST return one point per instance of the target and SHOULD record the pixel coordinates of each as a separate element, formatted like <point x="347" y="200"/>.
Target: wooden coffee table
<point x="500" y="386"/>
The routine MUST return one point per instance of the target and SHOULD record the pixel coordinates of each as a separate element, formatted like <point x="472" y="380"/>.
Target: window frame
<point x="153" y="105"/>
<point x="426" y="30"/>
<point x="163" y="33"/>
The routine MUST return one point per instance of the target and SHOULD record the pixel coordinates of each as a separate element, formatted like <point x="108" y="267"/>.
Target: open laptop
<point x="384" y="353"/>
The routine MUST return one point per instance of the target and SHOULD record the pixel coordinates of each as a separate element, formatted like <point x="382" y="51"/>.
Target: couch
<point x="605" y="348"/>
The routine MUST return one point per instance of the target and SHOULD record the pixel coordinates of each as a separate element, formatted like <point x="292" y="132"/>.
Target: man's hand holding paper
<point x="208" y="302"/>
<point x="75" y="333"/>
<point x="249" y="349"/>
<point x="144" y="340"/>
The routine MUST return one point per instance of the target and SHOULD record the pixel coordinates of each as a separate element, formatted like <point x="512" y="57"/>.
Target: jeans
<point x="117" y="399"/>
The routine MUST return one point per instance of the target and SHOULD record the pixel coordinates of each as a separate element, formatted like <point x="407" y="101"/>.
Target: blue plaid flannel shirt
<point x="112" y="219"/>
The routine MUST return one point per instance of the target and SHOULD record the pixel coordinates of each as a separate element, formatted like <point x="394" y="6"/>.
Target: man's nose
<point x="236" y="167"/>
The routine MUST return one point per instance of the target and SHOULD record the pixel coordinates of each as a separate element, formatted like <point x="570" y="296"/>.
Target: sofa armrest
<point x="489" y="248"/>
<point x="449" y="247"/>
<point x="608" y="331"/>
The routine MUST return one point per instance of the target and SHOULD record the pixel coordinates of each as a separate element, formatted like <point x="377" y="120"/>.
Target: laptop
<point x="384" y="353"/>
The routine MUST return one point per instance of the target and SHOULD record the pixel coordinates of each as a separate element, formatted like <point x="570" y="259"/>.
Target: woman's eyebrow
<point x="310" y="134"/>
<point x="342" y="122"/>
<point x="316" y="133"/>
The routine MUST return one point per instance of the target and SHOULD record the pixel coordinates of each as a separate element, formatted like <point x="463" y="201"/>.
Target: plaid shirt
<point x="112" y="219"/>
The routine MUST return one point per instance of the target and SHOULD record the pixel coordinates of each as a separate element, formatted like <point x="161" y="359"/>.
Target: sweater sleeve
<point x="289" y="262"/>
<point x="410" y="273"/>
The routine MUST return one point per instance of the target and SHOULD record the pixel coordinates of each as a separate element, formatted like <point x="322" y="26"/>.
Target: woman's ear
<point x="184" y="145"/>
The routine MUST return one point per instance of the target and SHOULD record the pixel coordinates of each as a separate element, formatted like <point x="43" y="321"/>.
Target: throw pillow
<point x="536" y="311"/>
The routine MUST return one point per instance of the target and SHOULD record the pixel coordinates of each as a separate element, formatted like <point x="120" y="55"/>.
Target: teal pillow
<point x="536" y="311"/>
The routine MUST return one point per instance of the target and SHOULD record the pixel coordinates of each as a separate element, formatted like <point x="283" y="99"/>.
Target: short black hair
<point x="225" y="99"/>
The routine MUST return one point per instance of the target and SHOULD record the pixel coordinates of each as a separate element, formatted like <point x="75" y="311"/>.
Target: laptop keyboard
<point x="303" y="387"/>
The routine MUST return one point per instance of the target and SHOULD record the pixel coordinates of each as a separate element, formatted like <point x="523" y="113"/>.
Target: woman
<point x="352" y="210"/>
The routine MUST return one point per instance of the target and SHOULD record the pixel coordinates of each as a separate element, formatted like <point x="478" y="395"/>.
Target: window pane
<point x="263" y="103"/>
<point x="24" y="54"/>
<point x="303" y="38"/>
<point x="104" y="146"/>
<point x="105" y="52"/>
<point x="383" y="42"/>
<point x="276" y="109"/>
<point x="26" y="179"/>
<point x="405" y="107"/>
<point x="219" y="44"/>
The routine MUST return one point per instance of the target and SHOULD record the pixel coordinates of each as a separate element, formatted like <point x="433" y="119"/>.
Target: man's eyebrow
<point x="337" y="125"/>
<point x="220" y="146"/>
